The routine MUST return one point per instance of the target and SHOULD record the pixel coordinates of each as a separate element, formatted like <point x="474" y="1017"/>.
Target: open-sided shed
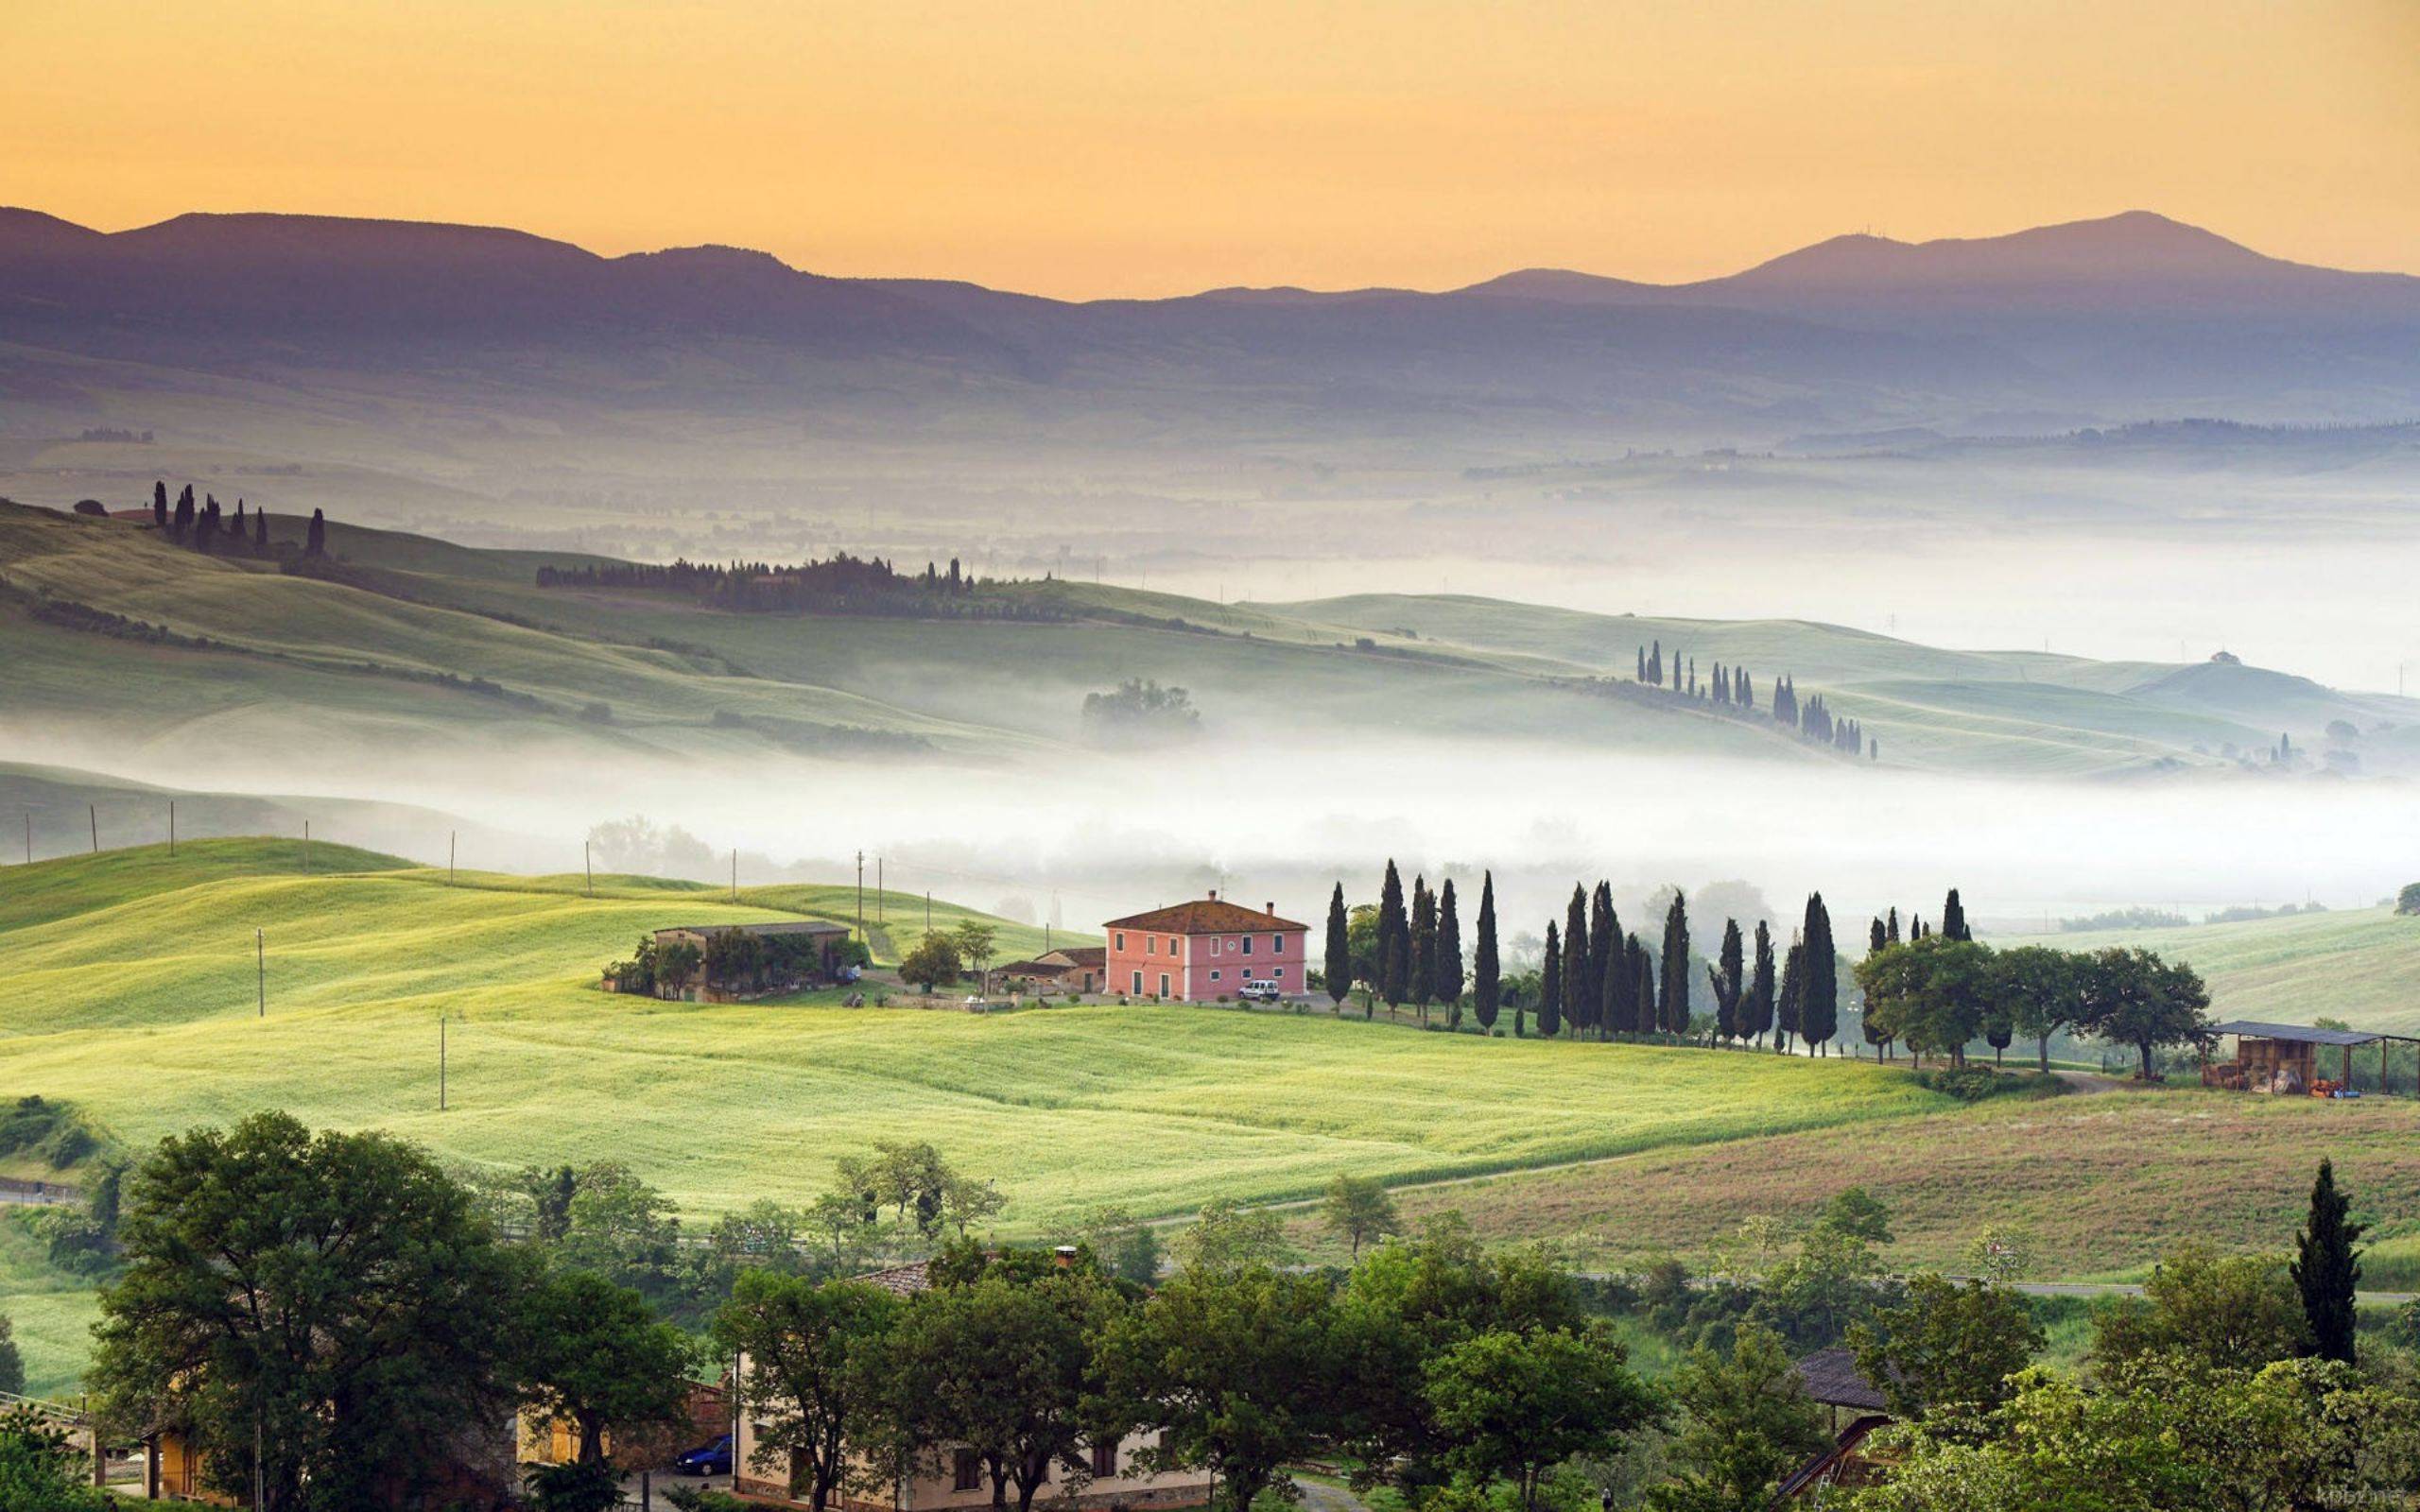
<point x="2286" y="1058"/>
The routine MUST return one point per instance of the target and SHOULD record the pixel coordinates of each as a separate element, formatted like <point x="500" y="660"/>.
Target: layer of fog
<point x="1084" y="838"/>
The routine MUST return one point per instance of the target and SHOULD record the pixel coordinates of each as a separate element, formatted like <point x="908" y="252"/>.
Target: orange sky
<point x="1133" y="147"/>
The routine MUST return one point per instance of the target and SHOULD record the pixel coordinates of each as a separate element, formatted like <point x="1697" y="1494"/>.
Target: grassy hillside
<point x="418" y="647"/>
<point x="2358" y="964"/>
<point x="140" y="970"/>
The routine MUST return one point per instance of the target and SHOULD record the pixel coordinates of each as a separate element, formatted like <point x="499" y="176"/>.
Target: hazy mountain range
<point x="2123" y="318"/>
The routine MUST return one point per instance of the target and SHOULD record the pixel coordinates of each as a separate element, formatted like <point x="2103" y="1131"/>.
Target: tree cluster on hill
<point x="840" y="584"/>
<point x="206" y="527"/>
<point x="1938" y="992"/>
<point x="1140" y="712"/>
<point x="1732" y="690"/>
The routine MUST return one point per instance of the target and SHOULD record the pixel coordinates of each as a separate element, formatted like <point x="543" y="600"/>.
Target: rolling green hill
<point x="139" y="971"/>
<point x="2361" y="965"/>
<point x="406" y="647"/>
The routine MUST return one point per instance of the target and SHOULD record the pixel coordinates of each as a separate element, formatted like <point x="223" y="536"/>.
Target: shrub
<point x="1973" y="1084"/>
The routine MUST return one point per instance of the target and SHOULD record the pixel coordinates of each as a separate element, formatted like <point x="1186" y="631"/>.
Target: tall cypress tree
<point x="260" y="529"/>
<point x="315" y="539"/>
<point x="1340" y="952"/>
<point x="1756" y="1007"/>
<point x="1819" y="1008"/>
<point x="1423" y="945"/>
<point x="1642" y="984"/>
<point x="1550" y="984"/>
<point x="1728" y="976"/>
<point x="1486" y="984"/>
<point x="1449" y="952"/>
<point x="159" y="503"/>
<point x="1953" y="917"/>
<point x="1793" y="994"/>
<point x="183" y="520"/>
<point x="1605" y="938"/>
<point x="1577" y="1004"/>
<point x="1395" y="938"/>
<point x="1890" y="925"/>
<point x="1674" y="1002"/>
<point x="1874" y="938"/>
<point x="2326" y="1268"/>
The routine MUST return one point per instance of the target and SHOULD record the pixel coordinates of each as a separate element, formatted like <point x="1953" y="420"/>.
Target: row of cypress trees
<point x="1596" y="978"/>
<point x="1732" y="687"/>
<point x="206" y="527"/>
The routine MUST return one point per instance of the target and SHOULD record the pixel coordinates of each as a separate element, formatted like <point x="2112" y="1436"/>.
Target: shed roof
<point x="2299" y="1033"/>
<point x="1832" y="1378"/>
<point x="901" y="1280"/>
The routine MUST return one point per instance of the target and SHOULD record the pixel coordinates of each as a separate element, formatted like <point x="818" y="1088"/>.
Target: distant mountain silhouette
<point x="2122" y="317"/>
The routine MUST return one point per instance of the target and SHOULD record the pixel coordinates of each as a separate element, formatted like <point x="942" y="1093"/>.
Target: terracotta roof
<point x="1204" y="916"/>
<point x="1084" y="954"/>
<point x="1832" y="1378"/>
<point x="901" y="1280"/>
<point x="1032" y="969"/>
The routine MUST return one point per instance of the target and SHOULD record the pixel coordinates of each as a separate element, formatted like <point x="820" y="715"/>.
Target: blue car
<point x="706" y="1459"/>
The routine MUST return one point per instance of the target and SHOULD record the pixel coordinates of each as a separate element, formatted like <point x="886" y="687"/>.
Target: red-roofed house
<point x="1206" y="948"/>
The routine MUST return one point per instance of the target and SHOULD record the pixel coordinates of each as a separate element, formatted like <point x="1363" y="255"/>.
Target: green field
<point x="2361" y="965"/>
<point x="136" y="972"/>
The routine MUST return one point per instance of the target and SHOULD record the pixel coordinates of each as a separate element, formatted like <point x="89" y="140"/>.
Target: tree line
<point x="1733" y="690"/>
<point x="1929" y="989"/>
<point x="206" y="527"/>
<point x="325" y="1314"/>
<point x="839" y="584"/>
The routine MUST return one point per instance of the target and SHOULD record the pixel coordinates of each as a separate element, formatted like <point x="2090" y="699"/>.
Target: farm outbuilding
<point x="2291" y="1059"/>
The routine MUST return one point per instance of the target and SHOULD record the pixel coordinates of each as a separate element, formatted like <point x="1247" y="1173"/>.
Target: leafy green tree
<point x="934" y="960"/>
<point x="1127" y="1248"/>
<point x="1949" y="1345"/>
<point x="2220" y="1313"/>
<point x="1757" y="1004"/>
<point x="622" y="1229"/>
<point x="1930" y="993"/>
<point x="1746" y="1422"/>
<point x="332" y="1297"/>
<point x="1358" y="1210"/>
<point x="2035" y="986"/>
<point x="2131" y="996"/>
<point x="1487" y="979"/>
<point x="12" y="1362"/>
<point x="1855" y="1210"/>
<point x="1818" y="1006"/>
<point x="800" y="1339"/>
<point x="599" y="1358"/>
<point x="1234" y="1368"/>
<point x="1513" y="1405"/>
<point x="2326" y="1268"/>
<point x="1362" y="934"/>
<point x="1674" y="998"/>
<point x="39" y="1469"/>
<point x="1340" y="949"/>
<point x="1000" y="1366"/>
<point x="977" y="943"/>
<point x="1228" y="1236"/>
<point x="1830" y="1283"/>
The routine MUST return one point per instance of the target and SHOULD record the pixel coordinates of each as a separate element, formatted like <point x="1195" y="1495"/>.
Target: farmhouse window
<point x="1104" y="1461"/>
<point x="966" y="1470"/>
<point x="1216" y="945"/>
<point x="1163" y="984"/>
<point x="1247" y="944"/>
<point x="1150" y="944"/>
<point x="1214" y="974"/>
<point x="1138" y="984"/>
<point x="1121" y="939"/>
<point x="1277" y="944"/>
<point x="1277" y="970"/>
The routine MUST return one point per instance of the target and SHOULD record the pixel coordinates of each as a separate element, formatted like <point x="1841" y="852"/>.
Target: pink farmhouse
<point x="1206" y="948"/>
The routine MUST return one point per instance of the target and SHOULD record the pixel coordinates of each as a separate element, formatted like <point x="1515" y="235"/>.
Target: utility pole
<point x="877" y="889"/>
<point x="306" y="847"/>
<point x="449" y="858"/>
<point x="928" y="910"/>
<point x="441" y="1062"/>
<point x="29" y="838"/>
<point x="861" y="895"/>
<point x="172" y="826"/>
<point x="92" y="812"/>
<point x="734" y="874"/>
<point x="260" y="968"/>
<point x="588" y="869"/>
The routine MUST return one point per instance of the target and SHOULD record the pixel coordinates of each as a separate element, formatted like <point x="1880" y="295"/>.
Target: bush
<point x="1973" y="1084"/>
<point x="48" y="1132"/>
<point x="2408" y="901"/>
<point x="703" y="1499"/>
